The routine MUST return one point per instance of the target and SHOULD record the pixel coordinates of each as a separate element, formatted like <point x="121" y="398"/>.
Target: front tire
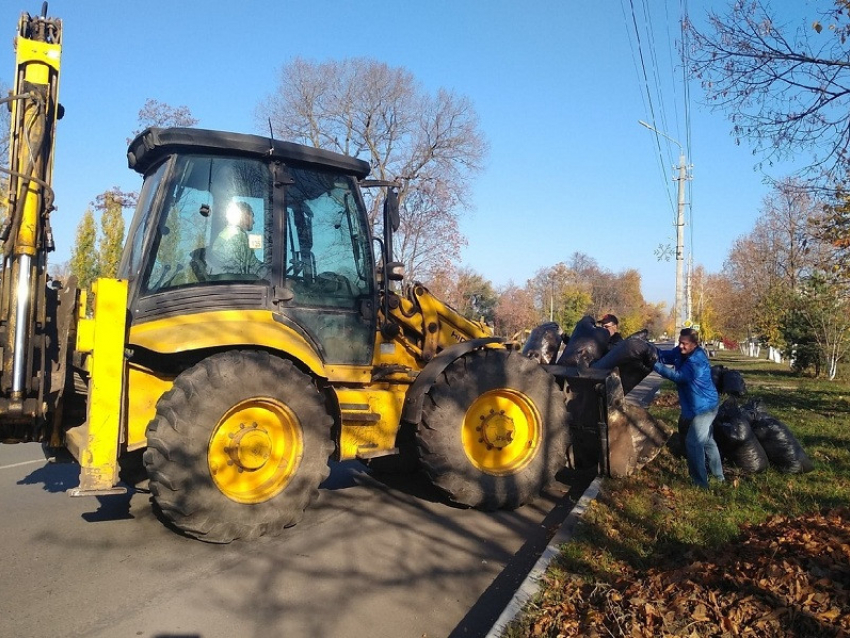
<point x="238" y="447"/>
<point x="494" y="430"/>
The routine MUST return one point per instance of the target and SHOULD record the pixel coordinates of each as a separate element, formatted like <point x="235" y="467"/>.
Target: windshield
<point x="216" y="227"/>
<point x="132" y="258"/>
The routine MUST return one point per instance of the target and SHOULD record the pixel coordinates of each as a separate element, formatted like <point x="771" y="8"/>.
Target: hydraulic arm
<point x="28" y="325"/>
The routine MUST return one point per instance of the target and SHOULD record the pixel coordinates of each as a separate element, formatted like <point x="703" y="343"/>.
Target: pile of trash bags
<point x="587" y="347"/>
<point x="748" y="436"/>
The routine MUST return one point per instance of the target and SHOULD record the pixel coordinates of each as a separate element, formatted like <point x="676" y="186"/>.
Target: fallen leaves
<point x="784" y="577"/>
<point x="666" y="400"/>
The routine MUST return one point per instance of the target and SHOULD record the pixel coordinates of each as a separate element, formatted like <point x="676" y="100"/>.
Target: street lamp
<point x="680" y="228"/>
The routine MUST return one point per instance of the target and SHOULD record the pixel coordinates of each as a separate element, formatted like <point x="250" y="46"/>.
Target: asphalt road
<point x="383" y="559"/>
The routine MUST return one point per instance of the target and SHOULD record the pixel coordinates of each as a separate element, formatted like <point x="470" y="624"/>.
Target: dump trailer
<point x="256" y="331"/>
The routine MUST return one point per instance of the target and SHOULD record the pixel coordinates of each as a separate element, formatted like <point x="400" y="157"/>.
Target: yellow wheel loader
<point x="256" y="331"/>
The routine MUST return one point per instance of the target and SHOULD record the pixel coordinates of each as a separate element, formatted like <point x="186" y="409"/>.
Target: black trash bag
<point x="733" y="383"/>
<point x="736" y="440"/>
<point x="634" y="357"/>
<point x="717" y="378"/>
<point x="587" y="343"/>
<point x="728" y="410"/>
<point x="783" y="449"/>
<point x="754" y="410"/>
<point x="640" y="334"/>
<point x="543" y="343"/>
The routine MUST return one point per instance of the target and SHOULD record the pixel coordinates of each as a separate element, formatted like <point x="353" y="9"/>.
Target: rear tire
<point x="494" y="430"/>
<point x="238" y="447"/>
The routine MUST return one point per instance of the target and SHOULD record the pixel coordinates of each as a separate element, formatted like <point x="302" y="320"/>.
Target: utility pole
<point x="689" y="290"/>
<point x="680" y="245"/>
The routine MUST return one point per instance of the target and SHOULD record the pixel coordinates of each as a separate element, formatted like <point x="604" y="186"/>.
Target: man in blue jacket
<point x="698" y="400"/>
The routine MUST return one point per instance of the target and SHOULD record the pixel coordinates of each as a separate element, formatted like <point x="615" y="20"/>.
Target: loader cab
<point x="240" y="222"/>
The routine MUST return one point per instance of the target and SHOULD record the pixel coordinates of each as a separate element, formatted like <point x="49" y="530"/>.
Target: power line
<point x="648" y="95"/>
<point x="684" y="20"/>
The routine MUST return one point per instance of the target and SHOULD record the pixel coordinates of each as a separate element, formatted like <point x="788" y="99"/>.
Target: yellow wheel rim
<point x="255" y="450"/>
<point x="501" y="432"/>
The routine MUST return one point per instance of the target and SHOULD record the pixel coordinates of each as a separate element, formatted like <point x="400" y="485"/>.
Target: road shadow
<point x="415" y="484"/>
<point x="54" y="477"/>
<point x="489" y="606"/>
<point x="111" y="508"/>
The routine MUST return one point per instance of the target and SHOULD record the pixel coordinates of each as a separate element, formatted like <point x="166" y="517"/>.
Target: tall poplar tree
<point x="111" y="243"/>
<point x="83" y="262"/>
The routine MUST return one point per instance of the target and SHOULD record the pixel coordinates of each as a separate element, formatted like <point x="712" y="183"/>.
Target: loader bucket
<point x="606" y="431"/>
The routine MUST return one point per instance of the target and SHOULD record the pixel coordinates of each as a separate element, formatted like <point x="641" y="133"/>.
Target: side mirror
<point x="391" y="209"/>
<point x="391" y="222"/>
<point x="395" y="271"/>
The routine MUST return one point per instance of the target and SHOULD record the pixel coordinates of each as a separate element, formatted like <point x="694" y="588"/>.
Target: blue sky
<point x="558" y="87"/>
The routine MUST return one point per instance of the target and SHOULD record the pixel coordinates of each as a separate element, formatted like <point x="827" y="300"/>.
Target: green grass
<point x="656" y="517"/>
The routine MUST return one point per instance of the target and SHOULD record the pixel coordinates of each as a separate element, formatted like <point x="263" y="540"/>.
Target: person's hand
<point x="651" y="356"/>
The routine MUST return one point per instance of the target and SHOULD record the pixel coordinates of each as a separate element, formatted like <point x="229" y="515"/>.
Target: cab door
<point x="328" y="265"/>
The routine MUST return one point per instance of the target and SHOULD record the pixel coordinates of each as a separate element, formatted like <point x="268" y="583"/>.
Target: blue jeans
<point x="699" y="444"/>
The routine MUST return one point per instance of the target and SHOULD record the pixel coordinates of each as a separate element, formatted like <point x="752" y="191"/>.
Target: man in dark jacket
<point x="698" y="400"/>
<point x="612" y="325"/>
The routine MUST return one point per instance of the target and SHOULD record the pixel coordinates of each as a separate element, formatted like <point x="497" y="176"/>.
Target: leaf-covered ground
<point x="763" y="555"/>
<point x="786" y="577"/>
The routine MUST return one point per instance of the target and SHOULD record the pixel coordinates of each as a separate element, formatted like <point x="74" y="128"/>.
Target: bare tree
<point x="768" y="266"/>
<point x="785" y="87"/>
<point x="156" y="113"/>
<point x="430" y="144"/>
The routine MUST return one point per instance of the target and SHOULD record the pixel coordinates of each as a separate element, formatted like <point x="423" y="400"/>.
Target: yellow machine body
<point x="234" y="377"/>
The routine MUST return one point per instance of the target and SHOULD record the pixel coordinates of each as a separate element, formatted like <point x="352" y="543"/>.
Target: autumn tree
<point x="160" y="114"/>
<point x="569" y="290"/>
<point x="731" y="314"/>
<point x="84" y="263"/>
<point x="702" y="310"/>
<point x="658" y="320"/>
<point x="785" y="87"/>
<point x="558" y="297"/>
<point x="515" y="310"/>
<point x="832" y="228"/>
<point x="430" y="144"/>
<point x="465" y="290"/>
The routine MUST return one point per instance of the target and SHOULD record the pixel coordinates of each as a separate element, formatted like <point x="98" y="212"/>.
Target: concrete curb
<point x="641" y="395"/>
<point x="531" y="584"/>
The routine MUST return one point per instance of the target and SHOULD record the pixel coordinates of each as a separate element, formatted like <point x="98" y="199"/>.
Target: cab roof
<point x="152" y="144"/>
